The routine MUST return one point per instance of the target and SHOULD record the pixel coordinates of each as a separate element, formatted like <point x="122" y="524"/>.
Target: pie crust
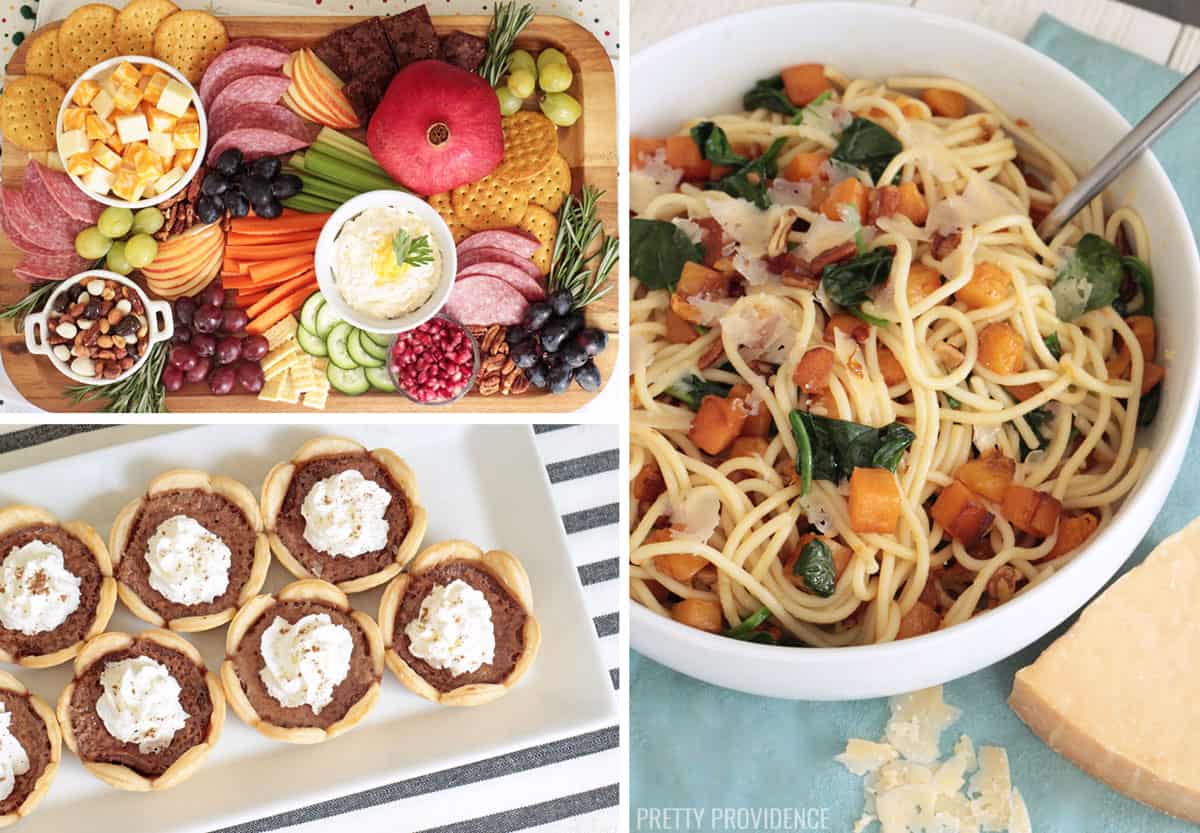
<point x="304" y="590"/>
<point x="279" y="478"/>
<point x="228" y="488"/>
<point x="506" y="569"/>
<point x="118" y="775"/>
<point x="14" y="518"/>
<point x="10" y="683"/>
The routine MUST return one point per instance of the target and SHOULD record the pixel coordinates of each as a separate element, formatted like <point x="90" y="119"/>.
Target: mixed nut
<point x="98" y="328"/>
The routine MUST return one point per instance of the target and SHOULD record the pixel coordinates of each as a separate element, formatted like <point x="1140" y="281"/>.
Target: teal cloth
<point x="698" y="746"/>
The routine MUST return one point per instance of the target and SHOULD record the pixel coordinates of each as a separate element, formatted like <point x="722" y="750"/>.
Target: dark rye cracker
<point x="463" y="51"/>
<point x="411" y="36"/>
<point x="358" y="50"/>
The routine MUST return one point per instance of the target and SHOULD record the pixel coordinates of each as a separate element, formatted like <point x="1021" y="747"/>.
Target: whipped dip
<point x="140" y="703"/>
<point x="303" y="663"/>
<point x="344" y="515"/>
<point x="365" y="267"/>
<point x="14" y="760"/>
<point x="454" y="629"/>
<point x="188" y="564"/>
<point x="37" y="591"/>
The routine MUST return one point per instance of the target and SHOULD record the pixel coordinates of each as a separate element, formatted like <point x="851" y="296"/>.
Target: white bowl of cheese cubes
<point x="131" y="132"/>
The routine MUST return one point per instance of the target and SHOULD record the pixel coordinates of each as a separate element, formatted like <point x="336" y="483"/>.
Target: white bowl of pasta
<point x="1024" y="360"/>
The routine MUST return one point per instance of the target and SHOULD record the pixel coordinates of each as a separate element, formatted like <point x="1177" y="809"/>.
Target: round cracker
<point x="188" y="41"/>
<point x="28" y="111"/>
<point x="85" y="38"/>
<point x="550" y="186"/>
<point x="530" y="142"/>
<point x="459" y="232"/>
<point x="42" y="58"/>
<point x="490" y="203"/>
<point x="544" y="226"/>
<point x="134" y="31"/>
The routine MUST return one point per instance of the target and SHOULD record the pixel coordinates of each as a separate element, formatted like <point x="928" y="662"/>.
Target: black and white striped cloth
<point x="570" y="786"/>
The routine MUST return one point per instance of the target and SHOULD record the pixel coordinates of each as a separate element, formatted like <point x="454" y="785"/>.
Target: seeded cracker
<point x="85" y="38"/>
<point x="42" y="58"/>
<point x="549" y="186"/>
<point x="490" y="203"/>
<point x="530" y="142"/>
<point x="544" y="226"/>
<point x="459" y="232"/>
<point x="28" y="110"/>
<point x="136" y="23"/>
<point x="188" y="41"/>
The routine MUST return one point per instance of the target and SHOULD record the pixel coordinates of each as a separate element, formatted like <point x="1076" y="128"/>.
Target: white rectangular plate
<point x="482" y="483"/>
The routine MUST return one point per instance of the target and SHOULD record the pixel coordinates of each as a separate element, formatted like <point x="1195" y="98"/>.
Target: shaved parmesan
<point x="783" y="192"/>
<point x="698" y="517"/>
<point x="757" y="327"/>
<point x="1018" y="821"/>
<point x="711" y="311"/>
<point x="753" y="269"/>
<point x="825" y="234"/>
<point x="748" y="226"/>
<point x="991" y="789"/>
<point x="901" y="226"/>
<point x="652" y="180"/>
<point x="917" y="723"/>
<point x="691" y="228"/>
<point x="818" y="516"/>
<point x="985" y="437"/>
<point x="863" y="756"/>
<point x="924" y="139"/>
<point x="980" y="202"/>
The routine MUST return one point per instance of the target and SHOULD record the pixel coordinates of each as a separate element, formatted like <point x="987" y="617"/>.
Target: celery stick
<point x="316" y="187"/>
<point x="310" y="205"/>
<point x="329" y="167"/>
<point x="366" y="165"/>
<point x="297" y="161"/>
<point x="348" y="146"/>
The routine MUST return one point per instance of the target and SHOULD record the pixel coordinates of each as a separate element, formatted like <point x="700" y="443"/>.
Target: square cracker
<point x="490" y="203"/>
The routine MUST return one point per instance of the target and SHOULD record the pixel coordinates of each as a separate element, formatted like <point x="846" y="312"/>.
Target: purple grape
<point x="229" y="350"/>
<point x="208" y="319"/>
<point x="250" y="376"/>
<point x="204" y="344"/>
<point x="213" y="295"/>
<point x="221" y="381"/>
<point x="183" y="357"/>
<point x="182" y="335"/>
<point x="254" y="348"/>
<point x="235" y="320"/>
<point x="172" y="378"/>
<point x="200" y="372"/>
<point x="184" y="307"/>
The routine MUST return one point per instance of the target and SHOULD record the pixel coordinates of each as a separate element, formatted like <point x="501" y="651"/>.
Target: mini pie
<point x="190" y="551"/>
<point x="29" y="721"/>
<point x="312" y="620"/>
<point x="187" y="706"/>
<point x="495" y="578"/>
<point x="56" y="587"/>
<point x="364" y="503"/>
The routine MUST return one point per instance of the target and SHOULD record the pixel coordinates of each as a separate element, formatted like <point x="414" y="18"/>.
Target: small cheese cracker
<point x="289" y="393"/>
<point x="28" y="111"/>
<point x="544" y="226"/>
<point x="85" y="38"/>
<point x="272" y="388"/>
<point x="530" y="142"/>
<point x="316" y="400"/>
<point x="134" y="31"/>
<point x="188" y="41"/>
<point x="458" y="231"/>
<point x="283" y="331"/>
<point x="42" y="58"/>
<point x="490" y="203"/>
<point x="550" y="186"/>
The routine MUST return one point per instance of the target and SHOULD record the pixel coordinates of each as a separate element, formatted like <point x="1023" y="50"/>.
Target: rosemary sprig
<point x="33" y="301"/>
<point x="141" y="393"/>
<point x="413" y="251"/>
<point x="507" y="22"/>
<point x="584" y="256"/>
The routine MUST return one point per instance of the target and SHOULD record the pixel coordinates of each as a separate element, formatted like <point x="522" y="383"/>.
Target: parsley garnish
<point x="411" y="251"/>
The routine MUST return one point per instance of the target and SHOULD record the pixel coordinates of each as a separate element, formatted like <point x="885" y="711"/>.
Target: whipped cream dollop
<point x="139" y="703"/>
<point x="37" y="591"/>
<point x="303" y="663"/>
<point x="14" y="760"/>
<point x="188" y="564"/>
<point x="344" y="514"/>
<point x="454" y="629"/>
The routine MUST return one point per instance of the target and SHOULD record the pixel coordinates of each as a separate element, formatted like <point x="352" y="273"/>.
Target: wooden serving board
<point x="589" y="146"/>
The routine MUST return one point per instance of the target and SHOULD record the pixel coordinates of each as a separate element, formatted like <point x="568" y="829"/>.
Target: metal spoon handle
<point x="1123" y="153"/>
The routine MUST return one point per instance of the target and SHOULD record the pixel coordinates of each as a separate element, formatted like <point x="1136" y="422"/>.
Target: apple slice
<point x="324" y="69"/>
<point x="319" y="93"/>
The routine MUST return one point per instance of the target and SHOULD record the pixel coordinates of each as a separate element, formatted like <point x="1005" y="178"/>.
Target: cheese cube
<point x="184" y="158"/>
<point x="130" y="155"/>
<point x="162" y="145"/>
<point x="107" y="84"/>
<point x="75" y="118"/>
<point x="164" y="182"/>
<point x="85" y="92"/>
<point x="187" y="135"/>
<point x="72" y="142"/>
<point x="154" y="88"/>
<point x="127" y="186"/>
<point x="127" y="97"/>
<point x="190" y="115"/>
<point x="159" y="120"/>
<point x="98" y="180"/>
<point x="80" y="164"/>
<point x="114" y="142"/>
<point x="148" y="165"/>
<point x="174" y="98"/>
<point x="133" y="128"/>
<point x="98" y="128"/>
<point x="150" y="70"/>
<point x="126" y="73"/>
<point x="103" y="104"/>
<point x="105" y="156"/>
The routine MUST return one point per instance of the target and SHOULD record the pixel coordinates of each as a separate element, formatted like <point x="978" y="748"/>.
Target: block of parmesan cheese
<point x="1117" y="693"/>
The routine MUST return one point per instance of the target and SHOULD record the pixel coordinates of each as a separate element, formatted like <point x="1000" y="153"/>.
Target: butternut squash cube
<point x="1031" y="510"/>
<point x="961" y="514"/>
<point x="874" y="501"/>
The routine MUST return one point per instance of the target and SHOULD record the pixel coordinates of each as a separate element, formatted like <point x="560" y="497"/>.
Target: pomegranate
<point x="437" y="127"/>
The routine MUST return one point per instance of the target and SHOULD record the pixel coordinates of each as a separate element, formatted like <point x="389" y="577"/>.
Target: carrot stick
<point x="280" y="292"/>
<point x="239" y="283"/>
<point x="271" y="251"/>
<point x="277" y="313"/>
<point x="230" y="264"/>
<point x="235" y="238"/>
<point x="247" y="284"/>
<point x="265" y="269"/>
<point x="243" y="299"/>
<point x="288" y="221"/>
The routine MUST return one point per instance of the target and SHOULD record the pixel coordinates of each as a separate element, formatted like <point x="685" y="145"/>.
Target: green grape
<point x="115" y="222"/>
<point x="91" y="244"/>
<point x="521" y="83"/>
<point x="556" y="78"/>
<point x="140" y="250"/>
<point x="549" y="56"/>
<point x="561" y="109"/>
<point x="509" y="103"/>
<point x="147" y="221"/>
<point x="520" y="59"/>
<point x="116" y="260"/>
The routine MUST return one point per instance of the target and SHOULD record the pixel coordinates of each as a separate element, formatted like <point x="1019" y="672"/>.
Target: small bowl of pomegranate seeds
<point x="435" y="363"/>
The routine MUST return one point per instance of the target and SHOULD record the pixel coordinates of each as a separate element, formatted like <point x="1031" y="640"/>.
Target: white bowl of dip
<point x="359" y="277"/>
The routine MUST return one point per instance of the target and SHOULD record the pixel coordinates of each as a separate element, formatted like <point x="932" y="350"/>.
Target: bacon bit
<point x="1038" y="212"/>
<point x="710" y="356"/>
<point x="835" y="255"/>
<point x="713" y="240"/>
<point x="800" y="281"/>
<point x="883" y="202"/>
<point x="943" y="245"/>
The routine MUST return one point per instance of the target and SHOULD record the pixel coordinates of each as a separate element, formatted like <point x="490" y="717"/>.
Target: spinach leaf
<point x="691" y="390"/>
<point x="750" y="181"/>
<point x="768" y="93"/>
<point x="815" y="566"/>
<point x="1090" y="279"/>
<point x="1145" y="281"/>
<point x="804" y="458"/>
<point x="836" y="446"/>
<point x="894" y="439"/>
<point x="1053" y="345"/>
<point x="952" y="402"/>
<point x="714" y="145"/>
<point x="747" y="629"/>
<point x="848" y="282"/>
<point x="1038" y="419"/>
<point x="657" y="252"/>
<point x="1148" y="407"/>
<point x="810" y="108"/>
<point x="864" y="144"/>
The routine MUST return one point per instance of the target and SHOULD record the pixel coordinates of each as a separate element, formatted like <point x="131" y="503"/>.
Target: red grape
<point x="250" y="376"/>
<point x="182" y="335"/>
<point x="200" y="372"/>
<point x="213" y="295"/>
<point x="221" y="380"/>
<point x="229" y="350"/>
<point x="208" y="319"/>
<point x="254" y="348"/>
<point x="204" y="344"/>
<point x="235" y="320"/>
<point x="183" y="357"/>
<point x="184" y="307"/>
<point x="172" y="378"/>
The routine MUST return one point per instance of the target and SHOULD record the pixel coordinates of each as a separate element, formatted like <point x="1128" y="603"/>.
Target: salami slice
<point x="265" y="43"/>
<point x="233" y="64"/>
<point x="529" y="288"/>
<point x="483" y="300"/>
<point x="263" y="116"/>
<point x="490" y="254"/>
<point x="70" y="198"/>
<point x="55" y="229"/>
<point x="39" y="268"/>
<point x="255" y="143"/>
<point x="20" y="225"/>
<point x="266" y="88"/>
<point x="512" y="240"/>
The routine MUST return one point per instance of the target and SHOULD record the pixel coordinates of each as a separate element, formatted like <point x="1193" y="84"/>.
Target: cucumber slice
<point x="336" y="344"/>
<point x="326" y="320"/>
<point x="308" y="312"/>
<point x="350" y="382"/>
<point x="380" y="379"/>
<point x="361" y="357"/>
<point x="311" y="343"/>
<point x="382" y="339"/>
<point x="371" y="348"/>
